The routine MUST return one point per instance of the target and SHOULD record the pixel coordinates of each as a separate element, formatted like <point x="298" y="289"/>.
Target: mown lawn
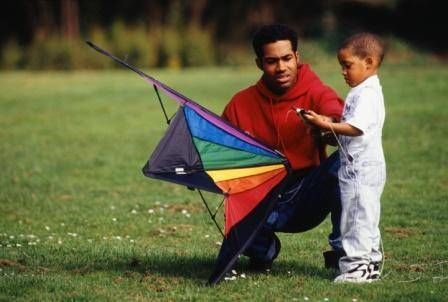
<point x="78" y="220"/>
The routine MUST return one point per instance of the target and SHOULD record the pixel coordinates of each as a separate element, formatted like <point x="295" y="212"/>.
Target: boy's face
<point x="354" y="69"/>
<point x="279" y="66"/>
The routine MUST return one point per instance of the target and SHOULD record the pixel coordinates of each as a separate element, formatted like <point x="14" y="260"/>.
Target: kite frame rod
<point x="212" y="216"/>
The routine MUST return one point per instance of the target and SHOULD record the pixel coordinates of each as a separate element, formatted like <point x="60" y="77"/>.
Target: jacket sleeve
<point x="230" y="113"/>
<point x="328" y="103"/>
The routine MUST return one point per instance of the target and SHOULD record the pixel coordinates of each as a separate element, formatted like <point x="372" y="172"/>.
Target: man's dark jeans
<point x="301" y="207"/>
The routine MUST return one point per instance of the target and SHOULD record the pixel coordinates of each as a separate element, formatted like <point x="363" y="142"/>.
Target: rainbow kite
<point x="202" y="151"/>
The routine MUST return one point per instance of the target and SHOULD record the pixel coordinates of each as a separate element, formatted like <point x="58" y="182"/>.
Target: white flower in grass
<point x="47" y="227"/>
<point x="243" y="276"/>
<point x="134" y="211"/>
<point x="89" y="240"/>
<point x="59" y="241"/>
<point x="62" y="224"/>
<point x="112" y="208"/>
<point x="114" y="219"/>
<point x="207" y="236"/>
<point x="18" y="245"/>
<point x="234" y="272"/>
<point x="218" y="243"/>
<point x="354" y="299"/>
<point x="11" y="237"/>
<point x="8" y="245"/>
<point x="326" y="299"/>
<point x="118" y="237"/>
<point x="151" y="211"/>
<point x="306" y="298"/>
<point x="233" y="278"/>
<point x="104" y="238"/>
<point x="157" y="203"/>
<point x="132" y="241"/>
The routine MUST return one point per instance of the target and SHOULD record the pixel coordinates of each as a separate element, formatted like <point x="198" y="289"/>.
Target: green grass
<point x="78" y="221"/>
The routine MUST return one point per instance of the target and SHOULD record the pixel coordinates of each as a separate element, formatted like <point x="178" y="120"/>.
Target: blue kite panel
<point x="203" y="129"/>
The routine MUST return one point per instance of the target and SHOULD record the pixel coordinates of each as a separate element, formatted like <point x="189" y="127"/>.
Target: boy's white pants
<point x="361" y="185"/>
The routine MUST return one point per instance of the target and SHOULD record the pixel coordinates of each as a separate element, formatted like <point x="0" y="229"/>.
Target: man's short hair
<point x="273" y="33"/>
<point x="363" y="45"/>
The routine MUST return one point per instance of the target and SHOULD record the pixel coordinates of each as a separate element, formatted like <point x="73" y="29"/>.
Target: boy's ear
<point x="369" y="61"/>
<point x="259" y="63"/>
<point x="298" y="57"/>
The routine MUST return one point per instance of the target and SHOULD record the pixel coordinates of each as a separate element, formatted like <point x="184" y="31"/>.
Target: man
<point x="265" y="111"/>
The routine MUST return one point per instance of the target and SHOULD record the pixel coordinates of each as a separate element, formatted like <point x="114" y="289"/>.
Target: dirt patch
<point x="402" y="232"/>
<point x="11" y="263"/>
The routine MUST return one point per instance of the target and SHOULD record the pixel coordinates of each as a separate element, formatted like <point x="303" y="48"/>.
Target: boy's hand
<point x="310" y="117"/>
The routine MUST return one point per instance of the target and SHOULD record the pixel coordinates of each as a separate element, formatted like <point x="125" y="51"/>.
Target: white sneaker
<point x="374" y="271"/>
<point x="359" y="274"/>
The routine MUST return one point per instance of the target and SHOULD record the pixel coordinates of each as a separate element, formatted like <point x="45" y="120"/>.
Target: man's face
<point x="279" y="65"/>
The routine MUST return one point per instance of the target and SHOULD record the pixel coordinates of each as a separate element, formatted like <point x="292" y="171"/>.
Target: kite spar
<point x="202" y="151"/>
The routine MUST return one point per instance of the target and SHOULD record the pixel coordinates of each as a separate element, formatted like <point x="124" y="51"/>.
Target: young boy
<point x="363" y="171"/>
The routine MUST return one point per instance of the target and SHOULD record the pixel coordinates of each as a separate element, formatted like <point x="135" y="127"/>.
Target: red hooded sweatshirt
<point x="270" y="118"/>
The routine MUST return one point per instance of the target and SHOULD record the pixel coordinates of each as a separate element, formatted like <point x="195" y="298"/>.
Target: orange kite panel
<point x="240" y="204"/>
<point x="238" y="185"/>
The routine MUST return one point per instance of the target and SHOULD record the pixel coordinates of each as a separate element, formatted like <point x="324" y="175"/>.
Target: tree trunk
<point x="70" y="19"/>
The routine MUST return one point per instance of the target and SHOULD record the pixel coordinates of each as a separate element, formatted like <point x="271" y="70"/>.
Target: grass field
<point x="78" y="220"/>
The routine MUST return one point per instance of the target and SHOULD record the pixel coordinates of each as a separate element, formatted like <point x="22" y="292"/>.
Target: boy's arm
<point x="310" y="117"/>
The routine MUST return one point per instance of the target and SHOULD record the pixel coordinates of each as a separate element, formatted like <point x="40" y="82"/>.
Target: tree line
<point x="44" y="34"/>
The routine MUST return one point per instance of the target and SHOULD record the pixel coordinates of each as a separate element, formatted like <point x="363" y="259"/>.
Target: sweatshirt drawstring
<point x="279" y="143"/>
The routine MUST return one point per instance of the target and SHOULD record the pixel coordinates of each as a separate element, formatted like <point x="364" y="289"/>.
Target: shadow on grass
<point x="196" y="268"/>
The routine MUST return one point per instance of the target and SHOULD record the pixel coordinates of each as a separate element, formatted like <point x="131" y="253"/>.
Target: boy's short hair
<point x="273" y="33"/>
<point x="365" y="44"/>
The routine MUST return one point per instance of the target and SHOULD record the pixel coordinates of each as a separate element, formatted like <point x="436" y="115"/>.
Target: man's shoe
<point x="258" y="265"/>
<point x="359" y="274"/>
<point x="332" y="258"/>
<point x="374" y="271"/>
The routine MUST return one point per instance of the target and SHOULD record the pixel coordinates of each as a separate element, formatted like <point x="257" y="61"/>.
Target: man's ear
<point x="298" y="57"/>
<point x="259" y="63"/>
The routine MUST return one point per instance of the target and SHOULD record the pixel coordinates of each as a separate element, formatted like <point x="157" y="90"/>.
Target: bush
<point x="50" y="53"/>
<point x="170" y="48"/>
<point x="12" y="55"/>
<point x="197" y="48"/>
<point x="134" y="44"/>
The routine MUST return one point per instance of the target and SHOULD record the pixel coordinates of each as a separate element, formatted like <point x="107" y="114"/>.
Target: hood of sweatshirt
<point x="306" y="78"/>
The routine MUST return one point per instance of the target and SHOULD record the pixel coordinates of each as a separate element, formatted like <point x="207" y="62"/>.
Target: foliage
<point x="78" y="221"/>
<point x="12" y="55"/>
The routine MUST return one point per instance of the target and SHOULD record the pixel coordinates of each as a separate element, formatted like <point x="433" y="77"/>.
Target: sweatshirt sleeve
<point x="327" y="102"/>
<point x="229" y="113"/>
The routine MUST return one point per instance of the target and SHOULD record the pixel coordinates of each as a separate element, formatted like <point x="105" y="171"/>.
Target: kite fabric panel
<point x="200" y="150"/>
